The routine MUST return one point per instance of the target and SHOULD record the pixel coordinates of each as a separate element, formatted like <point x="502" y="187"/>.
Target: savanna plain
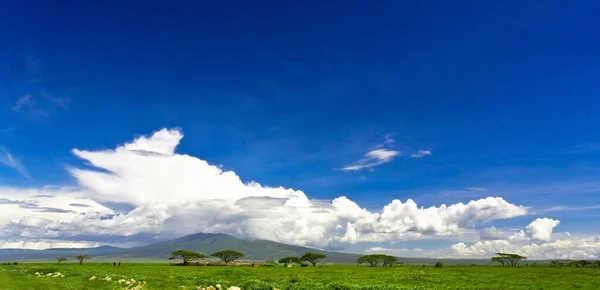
<point x="165" y="276"/>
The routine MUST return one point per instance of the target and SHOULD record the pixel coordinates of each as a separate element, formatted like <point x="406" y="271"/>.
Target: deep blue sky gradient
<point x="504" y="93"/>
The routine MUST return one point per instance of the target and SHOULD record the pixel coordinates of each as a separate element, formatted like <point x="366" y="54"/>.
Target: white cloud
<point x="176" y="194"/>
<point x="373" y="158"/>
<point x="42" y="245"/>
<point x="8" y="160"/>
<point x="541" y="229"/>
<point x="420" y="153"/>
<point x="535" y="242"/>
<point x="568" y="248"/>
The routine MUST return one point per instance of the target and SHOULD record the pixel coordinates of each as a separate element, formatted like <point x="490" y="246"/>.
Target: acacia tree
<point x="81" y="258"/>
<point x="373" y="260"/>
<point x="186" y="256"/>
<point x="499" y="260"/>
<point x="289" y="260"/>
<point x="61" y="259"/>
<point x="228" y="255"/>
<point x="313" y="258"/>
<point x="508" y="259"/>
<point x="389" y="261"/>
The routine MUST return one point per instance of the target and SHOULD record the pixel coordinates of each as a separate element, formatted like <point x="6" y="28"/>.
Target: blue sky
<point x="502" y="95"/>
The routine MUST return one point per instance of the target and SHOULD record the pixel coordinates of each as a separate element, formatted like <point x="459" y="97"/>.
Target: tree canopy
<point x="81" y="258"/>
<point x="228" y="255"/>
<point x="61" y="259"/>
<point x="508" y="259"/>
<point x="389" y="261"/>
<point x="186" y="256"/>
<point x="376" y="259"/>
<point x="289" y="260"/>
<point x="313" y="258"/>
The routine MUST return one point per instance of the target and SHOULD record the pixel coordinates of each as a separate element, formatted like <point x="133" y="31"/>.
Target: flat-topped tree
<point x="313" y="258"/>
<point x="228" y="255"/>
<point x="499" y="260"/>
<point x="373" y="260"/>
<point x="186" y="256"/>
<point x="61" y="259"/>
<point x="508" y="258"/>
<point x="289" y="260"/>
<point x="81" y="258"/>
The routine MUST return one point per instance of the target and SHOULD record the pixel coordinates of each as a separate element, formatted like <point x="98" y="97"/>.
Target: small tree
<point x="313" y="258"/>
<point x="289" y="260"/>
<point x="439" y="264"/>
<point x="228" y="255"/>
<point x="61" y="259"/>
<point x="508" y="259"/>
<point x="81" y="258"/>
<point x="186" y="256"/>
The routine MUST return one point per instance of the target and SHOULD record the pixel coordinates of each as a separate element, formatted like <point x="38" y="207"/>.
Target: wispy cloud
<point x="22" y="103"/>
<point x="10" y="161"/>
<point x="373" y="158"/>
<point x="570" y="208"/>
<point x="420" y="153"/>
<point x="377" y="156"/>
<point x="62" y="103"/>
<point x="27" y="106"/>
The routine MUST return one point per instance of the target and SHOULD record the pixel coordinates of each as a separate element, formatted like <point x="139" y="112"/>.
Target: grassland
<point x="162" y="276"/>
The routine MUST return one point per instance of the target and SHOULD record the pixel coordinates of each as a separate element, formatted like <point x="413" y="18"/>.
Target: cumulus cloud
<point x="570" y="248"/>
<point x="176" y="194"/>
<point x="536" y="241"/>
<point x="540" y="229"/>
<point x="373" y="158"/>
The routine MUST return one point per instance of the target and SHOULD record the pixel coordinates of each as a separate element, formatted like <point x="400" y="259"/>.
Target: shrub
<point x="439" y="264"/>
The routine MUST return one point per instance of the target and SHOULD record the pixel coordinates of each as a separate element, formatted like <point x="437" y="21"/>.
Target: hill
<point x="255" y="250"/>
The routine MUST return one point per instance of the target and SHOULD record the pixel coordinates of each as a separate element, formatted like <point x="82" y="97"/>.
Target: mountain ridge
<point x="207" y="243"/>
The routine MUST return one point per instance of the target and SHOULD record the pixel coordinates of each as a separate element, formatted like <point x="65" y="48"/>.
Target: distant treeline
<point x="577" y="264"/>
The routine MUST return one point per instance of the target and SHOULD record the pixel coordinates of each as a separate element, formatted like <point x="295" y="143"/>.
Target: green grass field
<point x="162" y="276"/>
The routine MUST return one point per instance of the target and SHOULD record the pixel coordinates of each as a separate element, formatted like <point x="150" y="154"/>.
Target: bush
<point x="439" y="264"/>
<point x="270" y="263"/>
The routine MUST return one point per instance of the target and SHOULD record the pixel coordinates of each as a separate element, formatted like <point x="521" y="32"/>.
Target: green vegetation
<point x="164" y="276"/>
<point x="228" y="255"/>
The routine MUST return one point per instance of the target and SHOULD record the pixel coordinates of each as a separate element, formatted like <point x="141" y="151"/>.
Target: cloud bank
<point x="175" y="194"/>
<point x="537" y="241"/>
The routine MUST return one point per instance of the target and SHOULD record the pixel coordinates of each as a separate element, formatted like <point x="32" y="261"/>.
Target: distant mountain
<point x="207" y="243"/>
